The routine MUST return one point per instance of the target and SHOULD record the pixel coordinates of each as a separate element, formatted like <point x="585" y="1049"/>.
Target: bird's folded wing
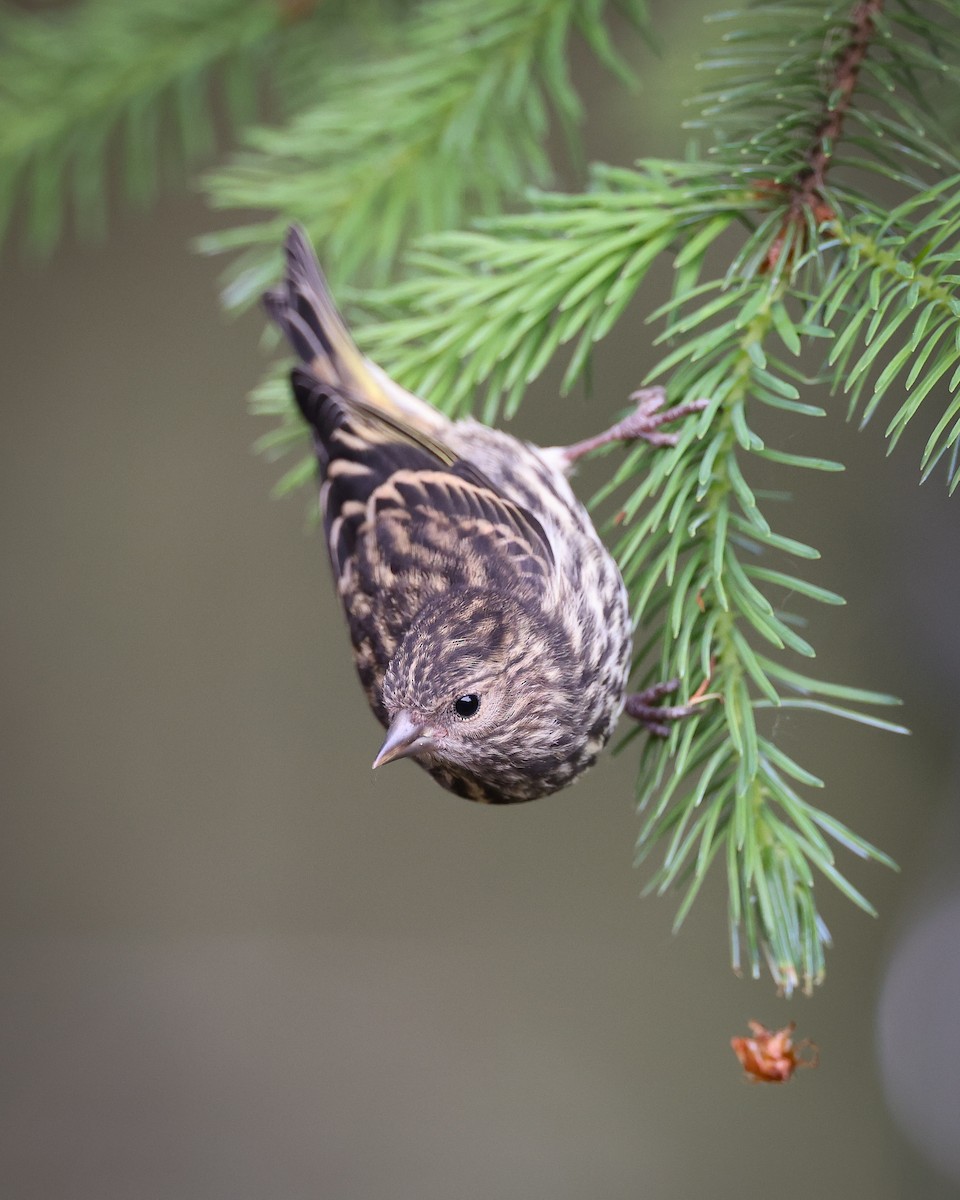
<point x="443" y="512"/>
<point x="377" y="469"/>
<point x="430" y="534"/>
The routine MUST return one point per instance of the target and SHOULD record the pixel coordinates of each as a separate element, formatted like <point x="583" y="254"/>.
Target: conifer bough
<point x="813" y="240"/>
<point x="821" y="259"/>
<point x="814" y="99"/>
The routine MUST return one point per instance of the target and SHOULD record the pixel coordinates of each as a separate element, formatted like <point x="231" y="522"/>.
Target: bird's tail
<point x="301" y="305"/>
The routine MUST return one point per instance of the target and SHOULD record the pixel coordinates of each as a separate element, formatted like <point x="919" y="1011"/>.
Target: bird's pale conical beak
<point x="404" y="737"/>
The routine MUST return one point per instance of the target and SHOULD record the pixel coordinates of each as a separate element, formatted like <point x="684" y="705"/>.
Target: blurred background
<point x="234" y="963"/>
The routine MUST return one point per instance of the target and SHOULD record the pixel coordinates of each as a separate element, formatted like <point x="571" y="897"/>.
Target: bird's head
<point x="483" y="685"/>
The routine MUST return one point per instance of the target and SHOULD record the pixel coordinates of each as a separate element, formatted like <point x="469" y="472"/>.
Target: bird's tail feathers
<point x="303" y="308"/>
<point x="314" y="398"/>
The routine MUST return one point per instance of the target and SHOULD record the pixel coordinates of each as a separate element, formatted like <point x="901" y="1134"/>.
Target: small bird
<point x="490" y="627"/>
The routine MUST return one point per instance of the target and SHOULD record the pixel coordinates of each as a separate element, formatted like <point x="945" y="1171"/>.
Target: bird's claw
<point x="643" y="424"/>
<point x="656" y="718"/>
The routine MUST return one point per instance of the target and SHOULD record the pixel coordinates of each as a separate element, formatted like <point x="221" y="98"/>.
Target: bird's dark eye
<point x="467" y="706"/>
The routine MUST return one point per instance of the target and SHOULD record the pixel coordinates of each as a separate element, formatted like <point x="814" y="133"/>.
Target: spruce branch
<point x="706" y="590"/>
<point x="823" y="214"/>
<point x="149" y="80"/>
<point x="820" y="221"/>
<point x="808" y="206"/>
<point x="454" y="121"/>
<point x="821" y="259"/>
<point x="894" y="302"/>
<point x="71" y="81"/>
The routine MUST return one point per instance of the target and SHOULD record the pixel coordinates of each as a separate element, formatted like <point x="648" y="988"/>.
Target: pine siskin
<point x="490" y="626"/>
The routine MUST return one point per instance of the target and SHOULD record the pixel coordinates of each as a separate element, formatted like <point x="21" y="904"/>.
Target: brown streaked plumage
<point x="490" y="626"/>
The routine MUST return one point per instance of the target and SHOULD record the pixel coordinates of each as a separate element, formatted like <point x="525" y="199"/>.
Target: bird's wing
<point x="454" y="526"/>
<point x="378" y="470"/>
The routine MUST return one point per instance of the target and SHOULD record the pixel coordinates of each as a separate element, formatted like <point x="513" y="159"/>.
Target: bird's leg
<point x="645" y="707"/>
<point x="643" y="424"/>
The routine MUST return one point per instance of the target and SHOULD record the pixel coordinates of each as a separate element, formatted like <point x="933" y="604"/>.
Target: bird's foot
<point x="646" y="708"/>
<point x="643" y="424"/>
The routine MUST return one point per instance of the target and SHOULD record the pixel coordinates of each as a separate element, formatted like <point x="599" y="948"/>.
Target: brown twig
<point x="292" y="11"/>
<point x="806" y="188"/>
